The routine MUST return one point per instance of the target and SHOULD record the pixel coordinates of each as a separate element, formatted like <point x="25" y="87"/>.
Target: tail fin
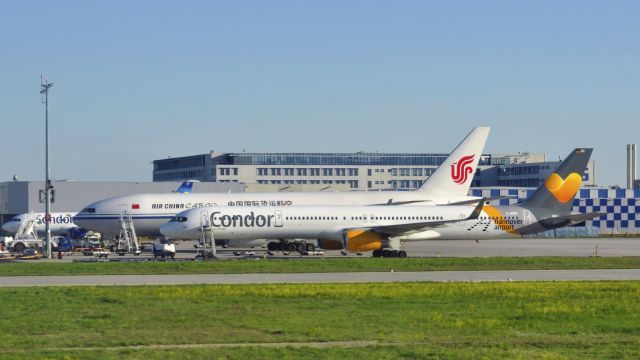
<point x="555" y="196"/>
<point x="453" y="176"/>
<point x="185" y="187"/>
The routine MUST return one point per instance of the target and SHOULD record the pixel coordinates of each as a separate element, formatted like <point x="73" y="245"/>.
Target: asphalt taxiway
<point x="350" y="277"/>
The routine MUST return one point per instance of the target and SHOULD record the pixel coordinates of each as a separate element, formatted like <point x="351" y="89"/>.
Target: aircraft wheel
<point x="293" y="246"/>
<point x="19" y="247"/>
<point x="402" y="254"/>
<point x="273" y="246"/>
<point x="377" y="253"/>
<point x="283" y="246"/>
<point x="310" y="247"/>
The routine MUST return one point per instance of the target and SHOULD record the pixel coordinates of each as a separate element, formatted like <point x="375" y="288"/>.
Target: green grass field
<point x="38" y="267"/>
<point x="548" y="320"/>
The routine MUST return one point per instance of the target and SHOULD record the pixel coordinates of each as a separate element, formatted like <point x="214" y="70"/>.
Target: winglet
<point x="476" y="212"/>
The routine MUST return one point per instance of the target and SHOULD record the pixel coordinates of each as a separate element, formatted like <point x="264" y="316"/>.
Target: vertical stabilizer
<point x="454" y="175"/>
<point x="555" y="196"/>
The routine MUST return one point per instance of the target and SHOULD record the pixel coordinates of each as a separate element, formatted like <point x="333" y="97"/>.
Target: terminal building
<point x="356" y="171"/>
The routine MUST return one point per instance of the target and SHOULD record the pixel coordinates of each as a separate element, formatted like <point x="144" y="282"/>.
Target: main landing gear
<point x="389" y="253"/>
<point x="291" y="246"/>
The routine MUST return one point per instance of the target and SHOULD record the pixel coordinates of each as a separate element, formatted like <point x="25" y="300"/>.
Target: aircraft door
<point x="372" y="218"/>
<point x="527" y="217"/>
<point x="278" y="218"/>
<point x="204" y="218"/>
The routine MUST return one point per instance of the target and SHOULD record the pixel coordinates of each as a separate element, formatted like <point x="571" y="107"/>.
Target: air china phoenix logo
<point x="461" y="169"/>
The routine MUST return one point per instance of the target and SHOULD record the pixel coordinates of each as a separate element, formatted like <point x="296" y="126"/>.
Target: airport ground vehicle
<point x="163" y="250"/>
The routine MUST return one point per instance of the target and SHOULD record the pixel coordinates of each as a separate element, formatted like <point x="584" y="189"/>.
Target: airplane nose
<point x="169" y="230"/>
<point x="8" y="227"/>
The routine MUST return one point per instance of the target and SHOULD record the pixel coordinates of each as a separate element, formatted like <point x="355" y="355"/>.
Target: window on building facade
<point x="353" y="184"/>
<point x="340" y="172"/>
<point x="314" y="171"/>
<point x="404" y="171"/>
<point x="302" y="172"/>
<point x="416" y="172"/>
<point x="393" y="172"/>
<point x="353" y="172"/>
<point x="327" y="172"/>
<point x="275" y="171"/>
<point x="263" y="171"/>
<point x="288" y="172"/>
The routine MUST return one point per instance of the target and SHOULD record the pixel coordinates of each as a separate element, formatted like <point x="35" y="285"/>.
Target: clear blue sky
<point x="142" y="80"/>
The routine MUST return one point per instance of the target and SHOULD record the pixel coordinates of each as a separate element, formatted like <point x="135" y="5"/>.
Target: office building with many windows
<point x="357" y="171"/>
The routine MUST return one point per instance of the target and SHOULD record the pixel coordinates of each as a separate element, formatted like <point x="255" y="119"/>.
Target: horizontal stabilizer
<point x="556" y="222"/>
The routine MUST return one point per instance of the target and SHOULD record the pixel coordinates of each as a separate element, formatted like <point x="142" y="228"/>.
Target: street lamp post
<point x="44" y="90"/>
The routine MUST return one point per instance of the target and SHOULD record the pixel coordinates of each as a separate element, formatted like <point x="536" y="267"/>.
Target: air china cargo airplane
<point x="61" y="222"/>
<point x="384" y="228"/>
<point x="449" y="184"/>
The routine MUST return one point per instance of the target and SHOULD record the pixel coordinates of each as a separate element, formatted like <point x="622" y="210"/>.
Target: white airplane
<point x="61" y="222"/>
<point x="384" y="228"/>
<point x="448" y="184"/>
<point x="358" y="228"/>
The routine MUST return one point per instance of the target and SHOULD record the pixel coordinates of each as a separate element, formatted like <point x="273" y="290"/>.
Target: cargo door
<point x="278" y="218"/>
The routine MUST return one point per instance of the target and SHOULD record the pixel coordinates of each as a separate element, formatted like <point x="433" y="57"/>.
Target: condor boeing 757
<point x="448" y="184"/>
<point x="384" y="228"/>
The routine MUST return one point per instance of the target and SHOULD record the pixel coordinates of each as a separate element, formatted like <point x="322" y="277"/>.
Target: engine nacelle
<point x="361" y="240"/>
<point x="330" y="244"/>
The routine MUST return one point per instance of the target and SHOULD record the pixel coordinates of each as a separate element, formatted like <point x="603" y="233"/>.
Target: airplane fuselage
<point x="150" y="211"/>
<point x="61" y="222"/>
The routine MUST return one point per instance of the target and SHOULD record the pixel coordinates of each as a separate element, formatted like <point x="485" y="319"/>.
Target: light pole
<point x="44" y="90"/>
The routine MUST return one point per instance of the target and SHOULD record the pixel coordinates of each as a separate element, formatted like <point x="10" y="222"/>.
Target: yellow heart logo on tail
<point x="563" y="189"/>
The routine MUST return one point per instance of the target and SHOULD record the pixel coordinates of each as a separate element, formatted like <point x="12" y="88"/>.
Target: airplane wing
<point x="464" y="202"/>
<point x="391" y="202"/>
<point x="394" y="230"/>
<point x="469" y="202"/>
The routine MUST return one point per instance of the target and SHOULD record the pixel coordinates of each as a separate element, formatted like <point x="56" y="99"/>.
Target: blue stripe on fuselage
<point x="117" y="217"/>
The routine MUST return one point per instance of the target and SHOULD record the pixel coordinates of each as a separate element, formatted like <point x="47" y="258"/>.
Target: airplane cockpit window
<point x="178" y="219"/>
<point x="89" y="210"/>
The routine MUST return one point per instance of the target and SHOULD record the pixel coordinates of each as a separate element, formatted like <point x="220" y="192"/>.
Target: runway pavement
<point x="351" y="277"/>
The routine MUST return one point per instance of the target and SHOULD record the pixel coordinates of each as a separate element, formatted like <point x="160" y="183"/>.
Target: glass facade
<point x="339" y="159"/>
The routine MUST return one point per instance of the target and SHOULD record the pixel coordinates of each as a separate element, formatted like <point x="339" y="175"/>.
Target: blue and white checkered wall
<point x="621" y="205"/>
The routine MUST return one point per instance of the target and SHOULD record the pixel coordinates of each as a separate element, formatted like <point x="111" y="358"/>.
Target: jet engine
<point x="361" y="240"/>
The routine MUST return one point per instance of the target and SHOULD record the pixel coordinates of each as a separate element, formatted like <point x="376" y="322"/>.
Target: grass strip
<point x="405" y="320"/>
<point x="318" y="265"/>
